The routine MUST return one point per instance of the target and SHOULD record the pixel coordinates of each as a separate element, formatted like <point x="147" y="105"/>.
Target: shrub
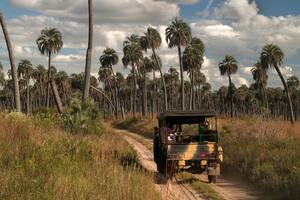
<point x="83" y="118"/>
<point x="48" y="118"/>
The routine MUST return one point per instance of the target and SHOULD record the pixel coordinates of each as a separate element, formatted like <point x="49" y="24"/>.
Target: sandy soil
<point x="227" y="188"/>
<point x="170" y="190"/>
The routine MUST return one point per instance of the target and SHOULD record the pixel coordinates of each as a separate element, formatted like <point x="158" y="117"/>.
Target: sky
<point x="235" y="27"/>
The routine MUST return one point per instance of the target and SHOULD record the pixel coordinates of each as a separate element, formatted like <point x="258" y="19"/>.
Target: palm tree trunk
<point x="117" y="100"/>
<point x="181" y="79"/>
<point x="192" y="91"/>
<point x="163" y="80"/>
<point x="265" y="96"/>
<point x="56" y="96"/>
<point x="27" y="97"/>
<point x="134" y="91"/>
<point x="115" y="91"/>
<point x="154" y="97"/>
<point x="105" y="96"/>
<point x="48" y="83"/>
<point x="231" y="99"/>
<point x="287" y="94"/>
<point x="144" y="93"/>
<point x="88" y="61"/>
<point x="12" y="63"/>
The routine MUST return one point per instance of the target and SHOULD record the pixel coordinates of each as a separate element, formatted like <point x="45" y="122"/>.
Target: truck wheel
<point x="170" y="168"/>
<point x="161" y="164"/>
<point x="155" y="149"/>
<point x="212" y="179"/>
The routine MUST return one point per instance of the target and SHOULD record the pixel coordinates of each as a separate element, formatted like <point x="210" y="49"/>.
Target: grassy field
<point x="39" y="160"/>
<point x="266" y="153"/>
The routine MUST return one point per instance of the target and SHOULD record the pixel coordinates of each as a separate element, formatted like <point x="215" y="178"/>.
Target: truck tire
<point x="161" y="165"/>
<point x="156" y="149"/>
<point x="212" y="178"/>
<point x="170" y="169"/>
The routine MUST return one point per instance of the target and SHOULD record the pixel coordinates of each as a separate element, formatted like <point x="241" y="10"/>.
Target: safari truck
<point x="187" y="140"/>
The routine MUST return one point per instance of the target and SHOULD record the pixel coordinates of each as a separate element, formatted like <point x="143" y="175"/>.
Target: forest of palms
<point x="39" y="154"/>
<point x="148" y="89"/>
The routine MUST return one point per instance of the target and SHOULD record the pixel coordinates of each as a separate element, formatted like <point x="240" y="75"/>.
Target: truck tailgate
<point x="192" y="151"/>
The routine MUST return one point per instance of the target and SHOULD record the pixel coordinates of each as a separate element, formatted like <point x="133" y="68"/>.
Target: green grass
<point x="206" y="190"/>
<point x="39" y="160"/>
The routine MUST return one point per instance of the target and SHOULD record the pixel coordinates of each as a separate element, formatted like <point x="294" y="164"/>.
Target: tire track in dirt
<point x="170" y="190"/>
<point x="228" y="189"/>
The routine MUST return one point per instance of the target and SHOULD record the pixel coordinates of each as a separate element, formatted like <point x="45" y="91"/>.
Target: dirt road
<point x="228" y="189"/>
<point x="170" y="190"/>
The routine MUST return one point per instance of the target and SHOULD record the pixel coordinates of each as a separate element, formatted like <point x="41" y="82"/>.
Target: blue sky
<point x="236" y="27"/>
<point x="266" y="7"/>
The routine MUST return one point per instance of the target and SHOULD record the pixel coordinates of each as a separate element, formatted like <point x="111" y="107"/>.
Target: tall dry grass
<point x="139" y="125"/>
<point x="267" y="153"/>
<point x="41" y="161"/>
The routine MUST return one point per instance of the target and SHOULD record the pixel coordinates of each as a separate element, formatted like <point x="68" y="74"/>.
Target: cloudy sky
<point x="236" y="27"/>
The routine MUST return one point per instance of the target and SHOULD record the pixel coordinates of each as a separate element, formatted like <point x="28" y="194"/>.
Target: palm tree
<point x="172" y="82"/>
<point x="200" y="79"/>
<point x="152" y="40"/>
<point x="2" y="75"/>
<point x="228" y="67"/>
<point x="12" y="64"/>
<point x="121" y="83"/>
<point x="108" y="59"/>
<point x="178" y="34"/>
<point x="88" y="61"/>
<point x="293" y="83"/>
<point x="132" y="39"/>
<point x="105" y="76"/>
<point x="39" y="75"/>
<point x="49" y="43"/>
<point x="272" y="56"/>
<point x="147" y="67"/>
<point x="62" y="80"/>
<point x="260" y="76"/>
<point x="192" y="60"/>
<point x="25" y="72"/>
<point x="133" y="56"/>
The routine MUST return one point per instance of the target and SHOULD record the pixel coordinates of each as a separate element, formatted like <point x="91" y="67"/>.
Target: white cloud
<point x="112" y="11"/>
<point x="219" y="30"/>
<point x="180" y="1"/>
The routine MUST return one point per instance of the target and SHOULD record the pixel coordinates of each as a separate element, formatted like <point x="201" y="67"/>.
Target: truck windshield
<point x="203" y="131"/>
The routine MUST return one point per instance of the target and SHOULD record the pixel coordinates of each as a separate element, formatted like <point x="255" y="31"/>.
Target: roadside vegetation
<point x="267" y="153"/>
<point x="40" y="160"/>
<point x="139" y="125"/>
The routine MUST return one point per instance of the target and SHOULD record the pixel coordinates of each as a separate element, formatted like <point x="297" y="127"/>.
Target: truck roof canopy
<point x="188" y="117"/>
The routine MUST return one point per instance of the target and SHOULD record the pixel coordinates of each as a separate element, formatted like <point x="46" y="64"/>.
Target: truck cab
<point x="188" y="140"/>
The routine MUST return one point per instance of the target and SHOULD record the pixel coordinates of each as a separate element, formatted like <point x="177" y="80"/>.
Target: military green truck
<point x="187" y="140"/>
